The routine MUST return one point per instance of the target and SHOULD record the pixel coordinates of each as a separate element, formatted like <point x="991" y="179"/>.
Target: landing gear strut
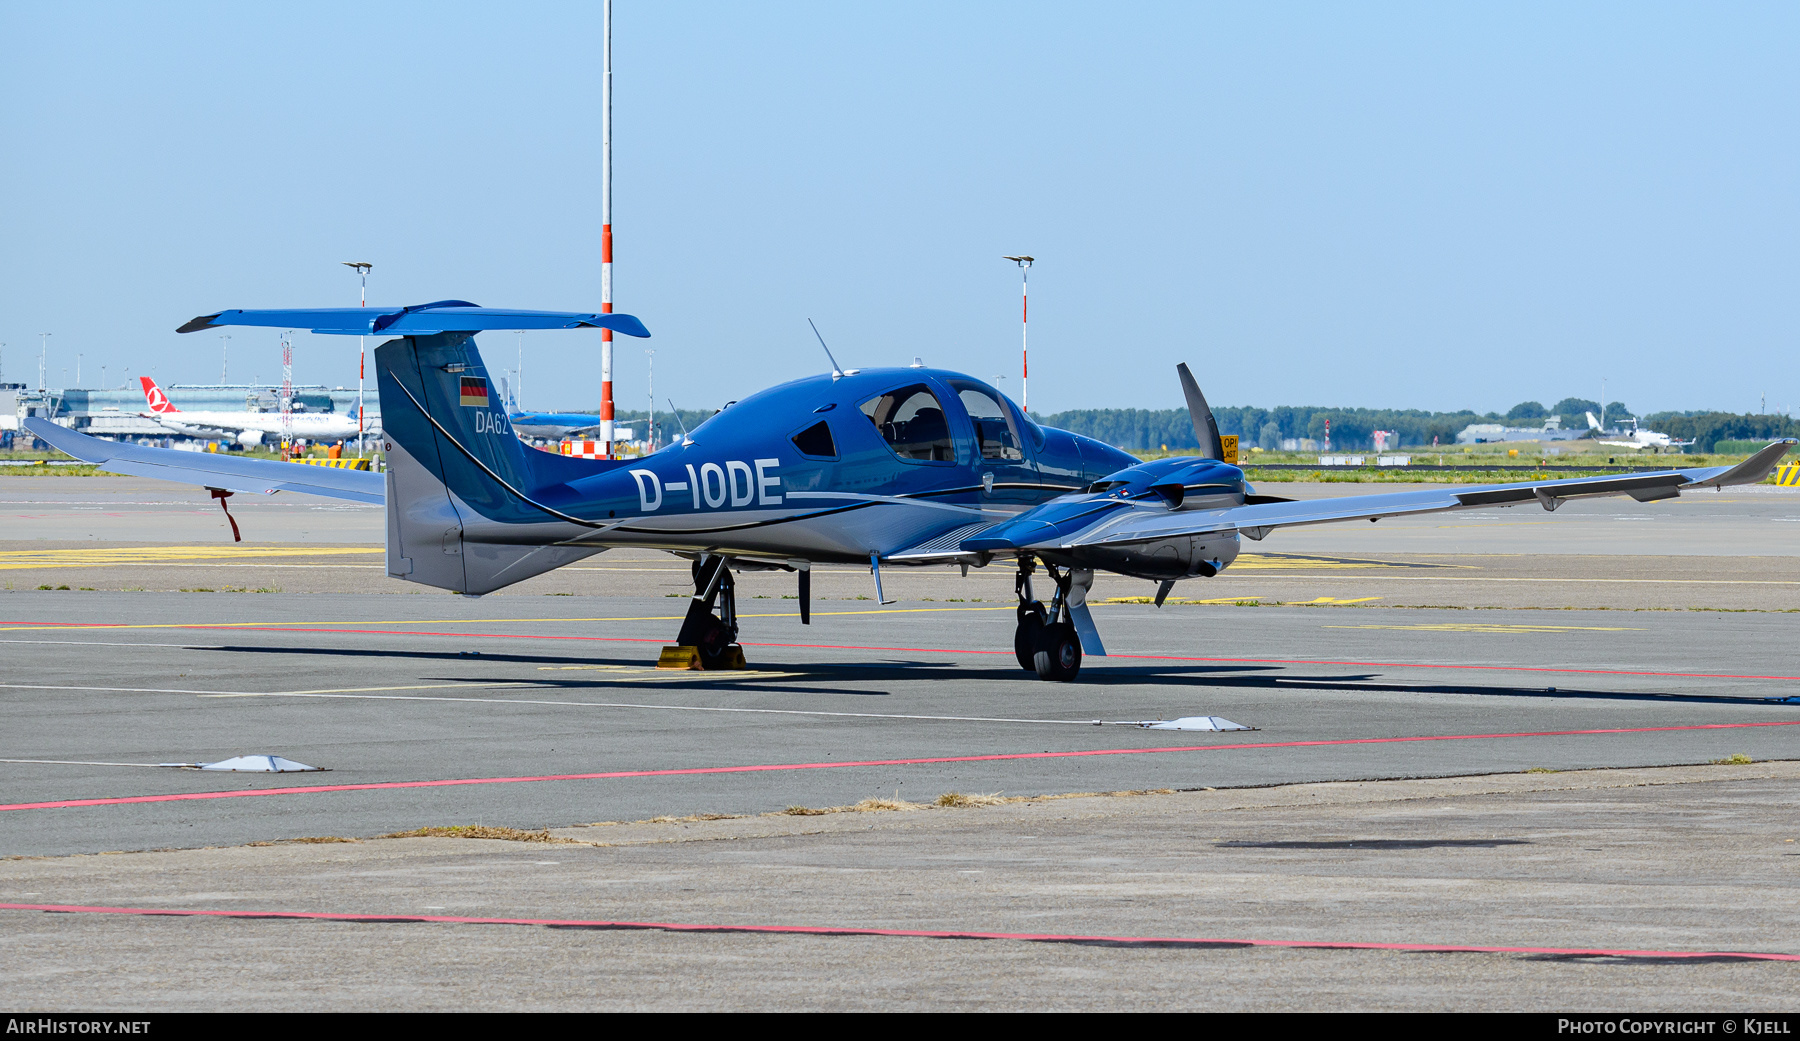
<point x="712" y="636"/>
<point x="1045" y="641"/>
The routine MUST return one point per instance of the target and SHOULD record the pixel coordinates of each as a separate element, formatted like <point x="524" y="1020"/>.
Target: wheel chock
<point x="680" y="658"/>
<point x="688" y="658"/>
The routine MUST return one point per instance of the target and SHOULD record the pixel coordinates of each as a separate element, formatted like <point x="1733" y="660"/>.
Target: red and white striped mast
<point x="606" y="245"/>
<point x="362" y="269"/>
<point x="1024" y="328"/>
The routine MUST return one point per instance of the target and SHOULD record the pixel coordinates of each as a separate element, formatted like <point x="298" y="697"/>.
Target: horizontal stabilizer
<point x="209" y="470"/>
<point x="442" y="316"/>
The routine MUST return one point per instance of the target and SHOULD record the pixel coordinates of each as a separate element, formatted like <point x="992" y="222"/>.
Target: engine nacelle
<point x="1184" y="483"/>
<point x="250" y="438"/>
<point x="1181" y="556"/>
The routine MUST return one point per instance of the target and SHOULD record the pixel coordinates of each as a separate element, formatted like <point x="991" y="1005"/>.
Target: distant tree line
<point x="1137" y="430"/>
<point x="1708" y="428"/>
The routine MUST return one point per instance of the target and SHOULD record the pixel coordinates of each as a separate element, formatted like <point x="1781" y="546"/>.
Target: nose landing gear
<point x="1045" y="641"/>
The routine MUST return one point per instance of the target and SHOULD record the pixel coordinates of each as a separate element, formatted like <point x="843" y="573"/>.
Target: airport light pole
<point x="43" y="353"/>
<point x="224" y="359"/>
<point x="287" y="395"/>
<point x="650" y="416"/>
<point x="78" y="356"/>
<point x="606" y="243"/>
<point x="362" y="269"/>
<point x="1024" y="329"/>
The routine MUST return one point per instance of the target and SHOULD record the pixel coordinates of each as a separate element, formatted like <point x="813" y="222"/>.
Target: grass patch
<point x="1541" y="770"/>
<point x="1739" y="759"/>
<point x="51" y="470"/>
<point x="957" y="800"/>
<point x="478" y="831"/>
<point x="199" y="590"/>
<point x="949" y="800"/>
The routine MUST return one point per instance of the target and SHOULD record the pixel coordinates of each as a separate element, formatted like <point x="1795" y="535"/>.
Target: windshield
<point x="995" y="433"/>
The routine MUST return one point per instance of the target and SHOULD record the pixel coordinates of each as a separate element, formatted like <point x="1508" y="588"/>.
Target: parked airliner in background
<point x="1636" y="438"/>
<point x="889" y="467"/>
<point x="555" y="426"/>
<point x="246" y="428"/>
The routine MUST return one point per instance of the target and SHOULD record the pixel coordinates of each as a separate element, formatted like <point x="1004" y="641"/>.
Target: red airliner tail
<point x="159" y="402"/>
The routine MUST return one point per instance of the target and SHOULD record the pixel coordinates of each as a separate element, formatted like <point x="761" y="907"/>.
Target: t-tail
<point x="470" y="507"/>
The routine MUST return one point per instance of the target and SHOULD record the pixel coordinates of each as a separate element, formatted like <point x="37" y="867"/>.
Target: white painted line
<point x="79" y="762"/>
<point x="110" y="643"/>
<point x="663" y="708"/>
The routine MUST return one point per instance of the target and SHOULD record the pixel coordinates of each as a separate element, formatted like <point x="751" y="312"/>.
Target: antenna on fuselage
<point x="685" y="439"/>
<point x="836" y="372"/>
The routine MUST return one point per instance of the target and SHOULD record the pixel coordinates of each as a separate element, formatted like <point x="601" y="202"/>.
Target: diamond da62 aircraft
<point x="885" y="467"/>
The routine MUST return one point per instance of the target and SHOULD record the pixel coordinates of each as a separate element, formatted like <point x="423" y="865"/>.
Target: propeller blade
<point x="1205" y="429"/>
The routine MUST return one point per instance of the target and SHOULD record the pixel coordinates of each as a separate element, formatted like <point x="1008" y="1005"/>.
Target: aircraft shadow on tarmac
<point x="1241" y="676"/>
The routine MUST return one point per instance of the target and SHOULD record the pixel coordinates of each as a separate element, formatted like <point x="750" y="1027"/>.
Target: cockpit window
<point x="911" y="421"/>
<point x="995" y="431"/>
<point x="816" y="441"/>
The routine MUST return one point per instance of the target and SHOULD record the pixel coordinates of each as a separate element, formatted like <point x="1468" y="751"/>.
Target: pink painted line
<point x="952" y="650"/>
<point x="245" y="793"/>
<point x="930" y="934"/>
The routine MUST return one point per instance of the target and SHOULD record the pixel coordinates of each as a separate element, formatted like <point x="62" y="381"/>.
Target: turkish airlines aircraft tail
<point x="159" y="402"/>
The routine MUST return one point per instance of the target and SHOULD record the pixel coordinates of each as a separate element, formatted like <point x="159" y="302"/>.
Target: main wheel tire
<point x="715" y="645"/>
<point x="1026" y="636"/>
<point x="1058" y="654"/>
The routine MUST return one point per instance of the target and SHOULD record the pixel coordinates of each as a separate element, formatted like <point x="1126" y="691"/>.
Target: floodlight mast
<point x="606" y="243"/>
<point x="362" y="269"/>
<point x="287" y="395"/>
<point x="1024" y="330"/>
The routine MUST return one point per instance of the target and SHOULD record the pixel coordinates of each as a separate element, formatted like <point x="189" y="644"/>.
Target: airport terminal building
<point x="115" y="412"/>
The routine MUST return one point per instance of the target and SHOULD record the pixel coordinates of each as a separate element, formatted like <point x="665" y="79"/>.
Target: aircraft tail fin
<point x="1593" y="424"/>
<point x="153" y="394"/>
<point x="456" y="472"/>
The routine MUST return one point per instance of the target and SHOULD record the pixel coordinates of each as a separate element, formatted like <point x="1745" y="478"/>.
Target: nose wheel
<point x="1045" y="641"/>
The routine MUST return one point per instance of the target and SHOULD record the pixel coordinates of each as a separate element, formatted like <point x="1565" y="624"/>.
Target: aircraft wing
<point x="210" y="470"/>
<point x="1139" y="522"/>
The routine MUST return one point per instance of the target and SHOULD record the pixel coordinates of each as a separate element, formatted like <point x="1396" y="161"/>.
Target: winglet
<point x="1205" y="429"/>
<point x="194" y="325"/>
<point x="1754" y="468"/>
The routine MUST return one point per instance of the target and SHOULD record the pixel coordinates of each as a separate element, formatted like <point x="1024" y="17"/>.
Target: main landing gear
<point x="708" y="640"/>
<point x="1045" y="641"/>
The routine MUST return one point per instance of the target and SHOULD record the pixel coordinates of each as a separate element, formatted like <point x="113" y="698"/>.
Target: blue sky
<point x="1385" y="204"/>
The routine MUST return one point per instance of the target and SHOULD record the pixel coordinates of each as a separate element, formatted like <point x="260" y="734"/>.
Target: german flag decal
<point x="474" y="391"/>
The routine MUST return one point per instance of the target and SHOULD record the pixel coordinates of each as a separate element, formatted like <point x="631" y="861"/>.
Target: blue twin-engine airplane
<point x="888" y="467"/>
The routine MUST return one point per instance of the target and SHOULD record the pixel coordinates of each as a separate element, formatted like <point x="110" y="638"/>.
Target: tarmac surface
<point x="1635" y="651"/>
